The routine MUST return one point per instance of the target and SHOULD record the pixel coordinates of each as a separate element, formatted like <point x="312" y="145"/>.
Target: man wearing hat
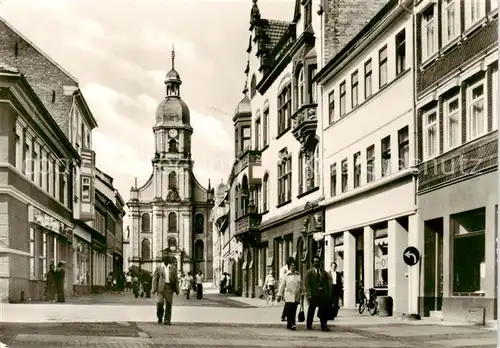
<point x="165" y="283"/>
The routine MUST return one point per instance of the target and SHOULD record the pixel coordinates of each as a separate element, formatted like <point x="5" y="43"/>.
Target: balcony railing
<point x="250" y="157"/>
<point x="247" y="226"/>
<point x="304" y="123"/>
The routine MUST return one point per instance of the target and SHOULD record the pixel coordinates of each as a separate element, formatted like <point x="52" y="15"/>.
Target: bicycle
<point x="369" y="302"/>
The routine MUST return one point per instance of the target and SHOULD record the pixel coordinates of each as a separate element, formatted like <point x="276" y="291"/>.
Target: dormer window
<point x="307" y="14"/>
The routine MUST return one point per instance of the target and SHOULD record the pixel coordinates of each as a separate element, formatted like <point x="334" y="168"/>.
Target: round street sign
<point x="411" y="256"/>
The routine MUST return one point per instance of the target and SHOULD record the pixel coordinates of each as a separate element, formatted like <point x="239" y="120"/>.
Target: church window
<point x="172" y="181"/>
<point x="198" y="250"/>
<point x="172" y="146"/>
<point x="172" y="222"/>
<point x="199" y="223"/>
<point x="145" y="223"/>
<point x="146" y="249"/>
<point x="172" y="242"/>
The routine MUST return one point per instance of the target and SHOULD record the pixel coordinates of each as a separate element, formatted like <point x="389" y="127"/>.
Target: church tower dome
<point x="172" y="110"/>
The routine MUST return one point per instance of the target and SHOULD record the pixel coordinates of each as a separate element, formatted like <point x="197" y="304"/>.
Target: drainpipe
<point x="498" y="227"/>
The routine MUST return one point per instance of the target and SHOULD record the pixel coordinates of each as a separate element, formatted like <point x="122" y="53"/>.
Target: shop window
<point x="469" y="268"/>
<point x="380" y="253"/>
<point x="338" y="252"/>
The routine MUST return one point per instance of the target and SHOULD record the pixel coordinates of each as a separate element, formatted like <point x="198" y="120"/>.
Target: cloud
<point x="90" y="27"/>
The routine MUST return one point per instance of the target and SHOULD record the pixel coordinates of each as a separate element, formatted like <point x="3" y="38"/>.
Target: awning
<point x="10" y="251"/>
<point x="384" y="241"/>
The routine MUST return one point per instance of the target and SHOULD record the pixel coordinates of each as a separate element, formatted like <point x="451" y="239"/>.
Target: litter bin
<point x="385" y="305"/>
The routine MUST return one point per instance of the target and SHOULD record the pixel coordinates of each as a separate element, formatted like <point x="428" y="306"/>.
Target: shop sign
<point x="381" y="262"/>
<point x="50" y="223"/>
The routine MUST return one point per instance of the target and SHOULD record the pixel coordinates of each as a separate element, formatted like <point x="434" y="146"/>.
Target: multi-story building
<point x="59" y="94"/>
<point x="219" y="218"/>
<point x="456" y="125"/>
<point x="170" y="211"/>
<point x="110" y="212"/>
<point x="368" y="144"/>
<point x="35" y="165"/>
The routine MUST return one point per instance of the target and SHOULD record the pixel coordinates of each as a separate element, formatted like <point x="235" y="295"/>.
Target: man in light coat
<point x="292" y="292"/>
<point x="165" y="283"/>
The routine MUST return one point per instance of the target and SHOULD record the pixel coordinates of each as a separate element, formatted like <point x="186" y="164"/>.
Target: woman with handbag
<point x="292" y="292"/>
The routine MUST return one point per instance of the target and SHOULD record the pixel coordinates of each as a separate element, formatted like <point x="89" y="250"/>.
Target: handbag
<point x="302" y="316"/>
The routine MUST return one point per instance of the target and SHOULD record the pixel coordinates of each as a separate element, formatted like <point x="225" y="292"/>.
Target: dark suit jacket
<point x="314" y="281"/>
<point x="337" y="288"/>
<point x="159" y="279"/>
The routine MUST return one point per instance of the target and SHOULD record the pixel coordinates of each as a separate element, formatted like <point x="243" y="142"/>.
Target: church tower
<point x="170" y="212"/>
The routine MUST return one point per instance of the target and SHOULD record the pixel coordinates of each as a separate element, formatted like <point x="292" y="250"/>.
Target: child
<point x="292" y="292"/>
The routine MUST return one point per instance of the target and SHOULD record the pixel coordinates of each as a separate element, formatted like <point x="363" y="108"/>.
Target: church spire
<point x="173" y="57"/>
<point x="173" y="79"/>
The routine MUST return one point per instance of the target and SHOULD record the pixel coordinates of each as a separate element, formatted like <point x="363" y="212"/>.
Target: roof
<point x="11" y="27"/>
<point x="273" y="32"/>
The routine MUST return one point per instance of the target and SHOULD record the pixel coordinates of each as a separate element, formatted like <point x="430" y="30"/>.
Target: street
<point x="119" y="320"/>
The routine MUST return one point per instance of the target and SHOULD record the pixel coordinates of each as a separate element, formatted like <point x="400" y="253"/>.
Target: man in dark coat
<point x="337" y="289"/>
<point x="60" y="275"/>
<point x="318" y="290"/>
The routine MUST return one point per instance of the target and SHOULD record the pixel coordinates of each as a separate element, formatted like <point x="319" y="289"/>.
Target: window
<point x="172" y="242"/>
<point x="199" y="223"/>
<point x="172" y="145"/>
<point x="257" y="134"/>
<point x="400" y="52"/>
<point x="316" y="164"/>
<point x="301" y="88"/>
<point x="342" y="99"/>
<point x="55" y="175"/>
<point x="85" y="189"/>
<point x="476" y="117"/>
<point x="403" y="148"/>
<point x="345" y="175"/>
<point x="246" y="139"/>
<point x="100" y="222"/>
<point x="62" y="184"/>
<point x="385" y="152"/>
<point x="236" y="147"/>
<point x="368" y="79"/>
<point x="172" y="222"/>
<point x="431" y="134"/>
<point x="452" y="124"/>
<point x="265" y="128"/>
<point x="32" y="252"/>
<point x="258" y="198"/>
<point x="284" y="179"/>
<point x="357" y="169"/>
<point x="36" y="167"/>
<point x="370" y="164"/>
<point x="198" y="250"/>
<point x="333" y="179"/>
<point x="354" y="89"/>
<point x="311" y="86"/>
<point x="145" y="223"/>
<point x="284" y="106"/>
<point x="331" y="106"/>
<point x="494" y="100"/>
<point x="468" y="230"/>
<point x="41" y="169"/>
<point x="301" y="172"/>
<point x="265" y="193"/>
<point x="172" y="181"/>
<point x="474" y="11"/>
<point x="18" y="152"/>
<point x="380" y="255"/>
<point x="451" y="20"/>
<point x="429" y="37"/>
<point x="307" y="14"/>
<point x="146" y="249"/>
<point x="382" y="62"/>
<point x="26" y="151"/>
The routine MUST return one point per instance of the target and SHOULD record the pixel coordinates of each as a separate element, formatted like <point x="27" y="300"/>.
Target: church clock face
<point x="172" y="133"/>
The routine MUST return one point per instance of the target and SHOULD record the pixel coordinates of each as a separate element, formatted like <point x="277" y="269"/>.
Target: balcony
<point x="247" y="158"/>
<point x="247" y="227"/>
<point x="304" y="124"/>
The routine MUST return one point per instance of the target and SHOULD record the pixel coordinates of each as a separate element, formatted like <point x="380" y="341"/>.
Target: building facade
<point x="368" y="152"/>
<point x="457" y="113"/>
<point x="170" y="212"/>
<point x="219" y="218"/>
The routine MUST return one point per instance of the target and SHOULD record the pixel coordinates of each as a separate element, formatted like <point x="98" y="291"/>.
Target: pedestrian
<point x="188" y="284"/>
<point x="60" y="277"/>
<point x="283" y="272"/>
<point x="165" y="283"/>
<point x="223" y="284"/>
<point x="199" y="285"/>
<point x="228" y="283"/>
<point x="269" y="287"/>
<point x="337" y="289"/>
<point x="318" y="289"/>
<point x="292" y="291"/>
<point x="51" y="283"/>
<point x="128" y="283"/>
<point x="135" y="286"/>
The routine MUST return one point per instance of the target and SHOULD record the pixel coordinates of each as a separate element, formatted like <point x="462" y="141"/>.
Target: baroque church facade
<point x="170" y="212"/>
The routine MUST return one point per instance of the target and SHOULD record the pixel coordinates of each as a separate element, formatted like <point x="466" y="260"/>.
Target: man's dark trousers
<point x="320" y="303"/>
<point x="164" y="304"/>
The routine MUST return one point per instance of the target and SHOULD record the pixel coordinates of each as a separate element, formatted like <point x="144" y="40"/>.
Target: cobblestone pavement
<point x="150" y="335"/>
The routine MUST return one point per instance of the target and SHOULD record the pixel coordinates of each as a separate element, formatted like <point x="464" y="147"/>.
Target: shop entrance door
<point x="360" y="262"/>
<point x="433" y="265"/>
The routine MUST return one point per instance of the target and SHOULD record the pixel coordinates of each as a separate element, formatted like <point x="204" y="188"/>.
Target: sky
<point x="120" y="51"/>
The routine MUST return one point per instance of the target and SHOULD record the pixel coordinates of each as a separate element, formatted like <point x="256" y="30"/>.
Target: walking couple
<point x="320" y="289"/>
<point x="55" y="283"/>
